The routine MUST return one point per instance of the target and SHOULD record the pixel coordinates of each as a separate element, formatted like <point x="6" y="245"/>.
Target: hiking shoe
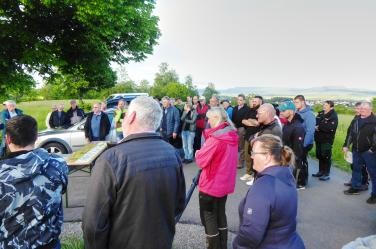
<point x="371" y="200"/>
<point x="318" y="174"/>
<point x="324" y="178"/>
<point x="351" y="191"/>
<point x="300" y="187"/>
<point x="246" y="177"/>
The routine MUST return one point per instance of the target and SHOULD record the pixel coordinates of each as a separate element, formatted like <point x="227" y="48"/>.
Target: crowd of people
<point x="133" y="194"/>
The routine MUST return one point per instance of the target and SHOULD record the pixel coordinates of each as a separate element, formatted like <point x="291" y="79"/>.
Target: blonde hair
<point x="220" y="112"/>
<point x="273" y="145"/>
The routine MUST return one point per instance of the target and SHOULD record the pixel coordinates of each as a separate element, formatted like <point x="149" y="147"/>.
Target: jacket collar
<point x="143" y="135"/>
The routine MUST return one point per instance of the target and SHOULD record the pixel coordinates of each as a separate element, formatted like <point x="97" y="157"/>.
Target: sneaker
<point x="250" y="182"/>
<point x="351" y="191"/>
<point x="300" y="187"/>
<point x="348" y="184"/>
<point x="246" y="177"/>
<point x="371" y="200"/>
<point x="324" y="178"/>
<point x="318" y="174"/>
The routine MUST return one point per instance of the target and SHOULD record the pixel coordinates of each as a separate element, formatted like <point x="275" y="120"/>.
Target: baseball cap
<point x="287" y="105"/>
<point x="202" y="98"/>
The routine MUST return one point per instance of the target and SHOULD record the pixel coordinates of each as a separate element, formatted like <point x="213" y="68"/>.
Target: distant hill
<point x="310" y="93"/>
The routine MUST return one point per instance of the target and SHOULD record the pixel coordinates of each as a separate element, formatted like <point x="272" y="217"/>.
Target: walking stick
<point x="188" y="195"/>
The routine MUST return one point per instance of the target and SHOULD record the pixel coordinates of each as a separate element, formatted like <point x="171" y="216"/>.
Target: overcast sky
<point x="292" y="43"/>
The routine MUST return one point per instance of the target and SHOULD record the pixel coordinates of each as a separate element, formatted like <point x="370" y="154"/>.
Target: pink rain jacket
<point x="218" y="159"/>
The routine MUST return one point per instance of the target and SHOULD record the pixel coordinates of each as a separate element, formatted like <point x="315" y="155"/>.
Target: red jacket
<point x="218" y="159"/>
<point x="201" y="115"/>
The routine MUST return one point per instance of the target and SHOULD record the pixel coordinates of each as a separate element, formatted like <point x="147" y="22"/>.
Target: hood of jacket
<point x="283" y="173"/>
<point x="223" y="132"/>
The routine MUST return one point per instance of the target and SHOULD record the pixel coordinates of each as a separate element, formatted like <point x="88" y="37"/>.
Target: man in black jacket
<point x="240" y="112"/>
<point x="58" y="118"/>
<point x="326" y="126"/>
<point x="363" y="140"/>
<point x="74" y="114"/>
<point x="293" y="136"/>
<point x="137" y="187"/>
<point x="97" y="125"/>
<point x="347" y="144"/>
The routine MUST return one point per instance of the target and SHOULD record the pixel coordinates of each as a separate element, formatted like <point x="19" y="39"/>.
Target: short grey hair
<point x="368" y="104"/>
<point x="220" y="112"/>
<point x="148" y="112"/>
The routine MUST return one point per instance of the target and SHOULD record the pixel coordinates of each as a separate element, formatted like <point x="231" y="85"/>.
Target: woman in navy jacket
<point x="268" y="212"/>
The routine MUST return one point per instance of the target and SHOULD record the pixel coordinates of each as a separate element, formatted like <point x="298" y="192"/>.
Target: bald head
<point x="265" y="114"/>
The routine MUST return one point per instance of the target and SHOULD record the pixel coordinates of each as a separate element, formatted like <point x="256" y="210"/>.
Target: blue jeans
<point x="188" y="138"/>
<point x="359" y="159"/>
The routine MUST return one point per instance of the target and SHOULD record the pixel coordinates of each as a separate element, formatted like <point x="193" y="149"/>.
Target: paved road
<point x="327" y="219"/>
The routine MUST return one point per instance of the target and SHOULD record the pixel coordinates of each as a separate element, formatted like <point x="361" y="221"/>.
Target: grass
<point x="337" y="154"/>
<point x="72" y="243"/>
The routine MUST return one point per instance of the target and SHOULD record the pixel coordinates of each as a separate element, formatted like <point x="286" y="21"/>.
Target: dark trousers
<point x="359" y="160"/>
<point x="364" y="174"/>
<point x="213" y="218"/>
<point x="324" y="154"/>
<point x="197" y="140"/>
<point x="301" y="168"/>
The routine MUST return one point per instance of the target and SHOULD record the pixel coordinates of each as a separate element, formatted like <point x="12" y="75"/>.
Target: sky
<point x="289" y="43"/>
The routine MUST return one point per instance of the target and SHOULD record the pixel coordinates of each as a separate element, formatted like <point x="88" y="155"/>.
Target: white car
<point x="66" y="141"/>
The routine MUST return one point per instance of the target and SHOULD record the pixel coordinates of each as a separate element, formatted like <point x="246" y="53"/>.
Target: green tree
<point x="78" y="37"/>
<point x="143" y="86"/>
<point x="162" y="78"/>
<point x="210" y="91"/>
<point x="192" y="88"/>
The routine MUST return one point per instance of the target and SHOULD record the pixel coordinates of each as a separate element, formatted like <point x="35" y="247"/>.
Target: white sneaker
<point x="250" y="182"/>
<point x="246" y="177"/>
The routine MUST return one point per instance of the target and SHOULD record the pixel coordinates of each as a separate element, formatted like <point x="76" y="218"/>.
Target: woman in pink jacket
<point x="217" y="158"/>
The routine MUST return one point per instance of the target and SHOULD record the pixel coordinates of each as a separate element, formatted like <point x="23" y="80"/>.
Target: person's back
<point x="31" y="183"/>
<point x="275" y="187"/>
<point x="137" y="187"/>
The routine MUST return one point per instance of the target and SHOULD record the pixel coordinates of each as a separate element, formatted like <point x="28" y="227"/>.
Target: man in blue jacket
<point x="309" y="124"/>
<point x="170" y="121"/>
<point x="9" y="112"/>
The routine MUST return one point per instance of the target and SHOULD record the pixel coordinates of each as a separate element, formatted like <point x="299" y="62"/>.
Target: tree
<point x="162" y="79"/>
<point x="73" y="38"/>
<point x="189" y="83"/>
<point x="210" y="91"/>
<point x="143" y="86"/>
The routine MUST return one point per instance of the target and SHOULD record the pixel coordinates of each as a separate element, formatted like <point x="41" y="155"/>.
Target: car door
<point x="78" y="136"/>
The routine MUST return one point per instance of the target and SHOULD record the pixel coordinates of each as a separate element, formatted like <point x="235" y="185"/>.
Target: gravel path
<point x="187" y="235"/>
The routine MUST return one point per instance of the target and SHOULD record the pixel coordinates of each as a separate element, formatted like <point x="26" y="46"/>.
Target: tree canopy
<point x="210" y="91"/>
<point x="75" y="38"/>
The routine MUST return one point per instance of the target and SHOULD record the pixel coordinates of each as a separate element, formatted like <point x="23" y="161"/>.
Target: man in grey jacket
<point x="137" y="187"/>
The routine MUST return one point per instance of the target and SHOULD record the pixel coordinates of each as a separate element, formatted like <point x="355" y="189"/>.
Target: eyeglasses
<point x="255" y="153"/>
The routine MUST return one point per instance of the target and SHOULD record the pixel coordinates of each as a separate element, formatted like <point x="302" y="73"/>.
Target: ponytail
<point x="287" y="156"/>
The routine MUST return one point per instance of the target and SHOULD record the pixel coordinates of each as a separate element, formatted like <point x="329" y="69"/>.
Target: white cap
<point x="202" y="97"/>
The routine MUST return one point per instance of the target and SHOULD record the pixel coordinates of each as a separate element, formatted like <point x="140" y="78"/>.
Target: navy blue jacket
<point x="268" y="212"/>
<point x="172" y="120"/>
<point x="137" y="188"/>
